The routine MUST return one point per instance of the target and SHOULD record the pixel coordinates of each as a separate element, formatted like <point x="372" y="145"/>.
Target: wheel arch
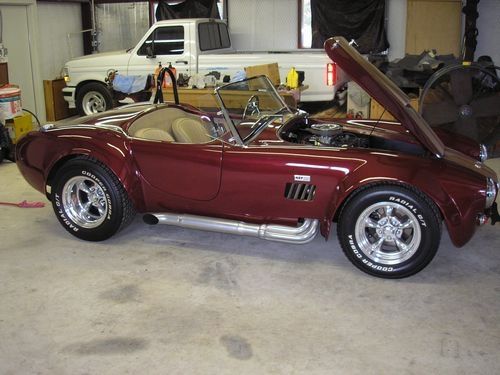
<point x="86" y="82"/>
<point x="122" y="169"/>
<point x="347" y="192"/>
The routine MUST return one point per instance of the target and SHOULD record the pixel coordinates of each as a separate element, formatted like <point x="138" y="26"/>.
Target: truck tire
<point x="89" y="200"/>
<point x="93" y="98"/>
<point x="389" y="231"/>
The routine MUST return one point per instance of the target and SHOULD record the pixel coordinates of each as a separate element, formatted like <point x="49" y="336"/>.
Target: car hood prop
<point x="302" y="234"/>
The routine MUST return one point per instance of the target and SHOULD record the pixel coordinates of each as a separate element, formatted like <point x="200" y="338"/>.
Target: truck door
<point x="165" y="44"/>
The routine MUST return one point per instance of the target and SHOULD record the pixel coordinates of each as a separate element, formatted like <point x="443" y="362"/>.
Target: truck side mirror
<point x="150" y="53"/>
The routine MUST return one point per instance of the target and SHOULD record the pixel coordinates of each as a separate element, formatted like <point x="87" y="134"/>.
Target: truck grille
<point x="299" y="191"/>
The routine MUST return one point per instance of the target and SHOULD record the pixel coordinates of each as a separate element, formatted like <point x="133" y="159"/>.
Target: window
<point x="213" y="35"/>
<point x="165" y="41"/>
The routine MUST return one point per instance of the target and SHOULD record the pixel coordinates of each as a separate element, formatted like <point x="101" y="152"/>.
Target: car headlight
<point x="491" y="192"/>
<point x="483" y="152"/>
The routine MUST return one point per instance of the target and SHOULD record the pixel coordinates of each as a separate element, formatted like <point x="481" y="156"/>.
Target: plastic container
<point x="292" y="79"/>
<point x="10" y="102"/>
<point x="19" y="126"/>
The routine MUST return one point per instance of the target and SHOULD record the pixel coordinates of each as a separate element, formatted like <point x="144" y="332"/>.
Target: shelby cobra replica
<point x="260" y="169"/>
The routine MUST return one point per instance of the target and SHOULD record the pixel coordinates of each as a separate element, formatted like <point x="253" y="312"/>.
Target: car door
<point x="191" y="171"/>
<point x="168" y="44"/>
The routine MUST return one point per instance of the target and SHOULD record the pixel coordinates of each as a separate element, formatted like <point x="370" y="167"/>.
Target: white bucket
<point x="10" y="102"/>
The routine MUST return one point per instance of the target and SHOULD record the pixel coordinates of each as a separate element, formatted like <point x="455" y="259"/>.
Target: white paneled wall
<point x="55" y="22"/>
<point x="121" y="25"/>
<point x="263" y="24"/>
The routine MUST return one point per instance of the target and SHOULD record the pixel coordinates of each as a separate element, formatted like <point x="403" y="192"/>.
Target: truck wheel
<point x="93" y="98"/>
<point x="389" y="231"/>
<point x="89" y="200"/>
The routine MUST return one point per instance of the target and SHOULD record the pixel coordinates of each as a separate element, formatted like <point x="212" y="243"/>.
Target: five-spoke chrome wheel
<point x="388" y="233"/>
<point x="84" y="202"/>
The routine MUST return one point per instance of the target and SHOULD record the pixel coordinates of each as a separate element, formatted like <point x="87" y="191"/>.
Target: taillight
<point x="331" y="74"/>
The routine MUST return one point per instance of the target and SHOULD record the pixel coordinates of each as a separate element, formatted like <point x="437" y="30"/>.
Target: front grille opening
<point x="299" y="191"/>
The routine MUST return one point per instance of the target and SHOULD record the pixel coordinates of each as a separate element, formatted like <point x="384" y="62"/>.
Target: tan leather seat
<point x="154" y="134"/>
<point x="188" y="130"/>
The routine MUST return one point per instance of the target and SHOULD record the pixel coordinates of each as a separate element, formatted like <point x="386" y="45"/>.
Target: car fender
<point x="434" y="178"/>
<point x="110" y="149"/>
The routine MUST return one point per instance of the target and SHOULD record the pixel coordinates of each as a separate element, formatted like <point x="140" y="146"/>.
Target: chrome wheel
<point x="388" y="233"/>
<point x="84" y="202"/>
<point x="93" y="102"/>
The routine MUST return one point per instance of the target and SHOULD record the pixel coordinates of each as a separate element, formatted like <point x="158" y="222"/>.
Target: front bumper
<point x="69" y="96"/>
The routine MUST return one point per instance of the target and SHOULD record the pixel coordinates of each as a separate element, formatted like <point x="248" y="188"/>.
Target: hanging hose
<point x="24" y="204"/>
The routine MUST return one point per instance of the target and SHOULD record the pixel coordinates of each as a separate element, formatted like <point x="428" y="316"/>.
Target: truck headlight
<point x="483" y="152"/>
<point x="491" y="192"/>
<point x="65" y="74"/>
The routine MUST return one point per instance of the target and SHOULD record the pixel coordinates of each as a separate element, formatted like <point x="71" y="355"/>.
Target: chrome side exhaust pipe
<point x="302" y="234"/>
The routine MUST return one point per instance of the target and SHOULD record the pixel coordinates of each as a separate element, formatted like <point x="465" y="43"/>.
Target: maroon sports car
<point x="261" y="169"/>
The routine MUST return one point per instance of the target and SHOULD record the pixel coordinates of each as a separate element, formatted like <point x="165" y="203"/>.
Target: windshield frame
<point x="263" y="120"/>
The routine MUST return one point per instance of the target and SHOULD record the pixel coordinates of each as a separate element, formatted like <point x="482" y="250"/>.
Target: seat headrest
<point x="188" y="130"/>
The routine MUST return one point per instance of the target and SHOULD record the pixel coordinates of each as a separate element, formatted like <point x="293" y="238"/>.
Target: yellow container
<point x="19" y="126"/>
<point x="292" y="79"/>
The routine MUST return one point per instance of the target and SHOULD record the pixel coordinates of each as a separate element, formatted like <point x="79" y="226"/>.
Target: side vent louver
<point x="299" y="191"/>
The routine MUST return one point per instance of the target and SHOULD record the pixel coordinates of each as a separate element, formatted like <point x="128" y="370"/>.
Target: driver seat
<point x="188" y="130"/>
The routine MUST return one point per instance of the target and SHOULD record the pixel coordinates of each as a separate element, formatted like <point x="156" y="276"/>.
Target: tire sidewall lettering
<point x="62" y="215"/>
<point x="367" y="262"/>
<point x="410" y="206"/>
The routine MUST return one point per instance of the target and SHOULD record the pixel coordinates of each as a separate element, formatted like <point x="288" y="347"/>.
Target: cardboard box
<point x="377" y="111"/>
<point x="270" y="70"/>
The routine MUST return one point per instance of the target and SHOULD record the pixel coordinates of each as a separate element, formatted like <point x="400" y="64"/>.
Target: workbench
<point x="235" y="99"/>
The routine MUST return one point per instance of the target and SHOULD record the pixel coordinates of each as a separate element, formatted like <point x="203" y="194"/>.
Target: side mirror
<point x="150" y="53"/>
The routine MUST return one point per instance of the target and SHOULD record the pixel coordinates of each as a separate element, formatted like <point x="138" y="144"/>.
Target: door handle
<point x="181" y="62"/>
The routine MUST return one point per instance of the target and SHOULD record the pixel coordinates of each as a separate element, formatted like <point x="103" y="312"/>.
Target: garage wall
<point x="263" y="24"/>
<point x="488" y="25"/>
<point x="55" y="22"/>
<point x="121" y="25"/>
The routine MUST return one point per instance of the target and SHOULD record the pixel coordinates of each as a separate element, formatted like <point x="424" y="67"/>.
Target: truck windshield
<point x="251" y="104"/>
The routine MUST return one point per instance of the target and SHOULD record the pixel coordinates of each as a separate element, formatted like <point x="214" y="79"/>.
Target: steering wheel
<point x="252" y="107"/>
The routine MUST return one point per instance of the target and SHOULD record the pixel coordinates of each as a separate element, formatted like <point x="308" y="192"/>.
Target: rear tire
<point x="389" y="231"/>
<point x="89" y="200"/>
<point x="93" y="98"/>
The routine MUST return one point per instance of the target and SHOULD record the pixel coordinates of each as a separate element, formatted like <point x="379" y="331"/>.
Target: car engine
<point x="322" y="134"/>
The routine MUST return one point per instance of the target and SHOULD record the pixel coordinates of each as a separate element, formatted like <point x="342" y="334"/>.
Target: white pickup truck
<point x="192" y="46"/>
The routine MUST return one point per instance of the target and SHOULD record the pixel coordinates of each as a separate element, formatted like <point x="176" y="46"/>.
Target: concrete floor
<point x="163" y="300"/>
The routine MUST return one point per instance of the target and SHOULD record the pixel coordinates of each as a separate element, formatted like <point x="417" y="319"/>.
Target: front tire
<point x="389" y="231"/>
<point x="93" y="98"/>
<point x="89" y="200"/>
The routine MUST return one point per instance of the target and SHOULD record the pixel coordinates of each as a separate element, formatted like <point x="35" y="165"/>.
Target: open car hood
<point x="384" y="91"/>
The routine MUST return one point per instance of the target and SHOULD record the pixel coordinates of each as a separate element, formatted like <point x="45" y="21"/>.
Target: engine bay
<point x="323" y="134"/>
